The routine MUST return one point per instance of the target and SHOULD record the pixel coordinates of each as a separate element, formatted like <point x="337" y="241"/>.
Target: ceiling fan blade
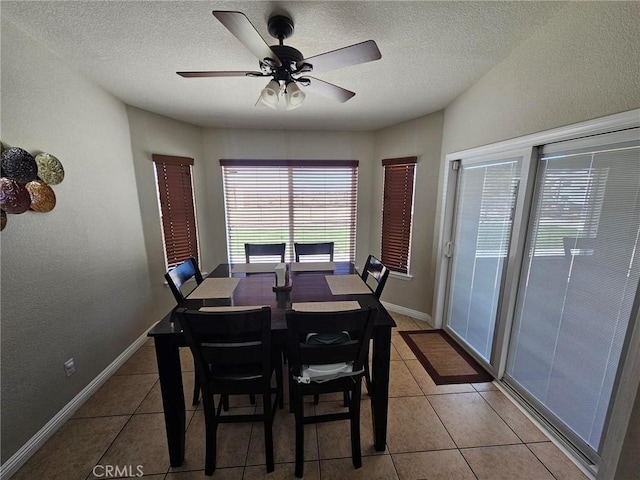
<point x="326" y="89"/>
<point x="220" y="74"/>
<point x="344" y="57"/>
<point x="238" y="24"/>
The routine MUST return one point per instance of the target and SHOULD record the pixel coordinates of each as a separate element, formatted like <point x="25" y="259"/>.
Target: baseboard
<point x="13" y="464"/>
<point x="409" y="312"/>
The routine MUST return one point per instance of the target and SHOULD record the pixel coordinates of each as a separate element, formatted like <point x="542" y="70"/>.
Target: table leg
<point x="380" y="384"/>
<point x="168" y="358"/>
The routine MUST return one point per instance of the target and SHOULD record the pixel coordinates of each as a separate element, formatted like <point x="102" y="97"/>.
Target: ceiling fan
<point x="286" y="65"/>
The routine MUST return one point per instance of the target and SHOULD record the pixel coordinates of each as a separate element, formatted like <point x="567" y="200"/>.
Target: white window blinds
<point x="289" y="201"/>
<point x="578" y="285"/>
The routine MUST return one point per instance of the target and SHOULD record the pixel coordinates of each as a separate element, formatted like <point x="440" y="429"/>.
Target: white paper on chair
<point x="215" y="288"/>
<point x="325" y="306"/>
<point x="347" y="285"/>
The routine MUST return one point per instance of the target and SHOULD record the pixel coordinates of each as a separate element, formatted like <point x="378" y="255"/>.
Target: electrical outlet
<point x="69" y="367"/>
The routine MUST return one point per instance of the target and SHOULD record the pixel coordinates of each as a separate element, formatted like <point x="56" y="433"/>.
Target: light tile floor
<point x="469" y="431"/>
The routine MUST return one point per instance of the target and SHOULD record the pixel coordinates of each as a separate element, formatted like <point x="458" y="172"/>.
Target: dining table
<point x="255" y="286"/>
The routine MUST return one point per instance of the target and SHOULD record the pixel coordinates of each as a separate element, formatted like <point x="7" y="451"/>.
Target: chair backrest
<point x="375" y="272"/>
<point x="264" y="250"/>
<point x="237" y="343"/>
<point x="323" y="248"/>
<point x="358" y="323"/>
<point x="180" y="274"/>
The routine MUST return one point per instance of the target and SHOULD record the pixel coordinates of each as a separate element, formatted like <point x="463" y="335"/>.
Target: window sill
<point x="401" y="276"/>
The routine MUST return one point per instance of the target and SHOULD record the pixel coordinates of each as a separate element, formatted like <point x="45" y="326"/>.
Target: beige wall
<point x="421" y="137"/>
<point x="151" y="134"/>
<point x="75" y="281"/>
<point x="583" y="64"/>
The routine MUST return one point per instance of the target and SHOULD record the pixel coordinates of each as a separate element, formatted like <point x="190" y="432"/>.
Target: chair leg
<point x="196" y="388"/>
<point x="298" y="408"/>
<point x="279" y="386"/>
<point x="252" y="399"/>
<point x="289" y="382"/>
<point x="367" y="376"/>
<point x="354" y="409"/>
<point x="316" y="399"/>
<point x="225" y="402"/>
<point x="268" y="430"/>
<point x="211" y="427"/>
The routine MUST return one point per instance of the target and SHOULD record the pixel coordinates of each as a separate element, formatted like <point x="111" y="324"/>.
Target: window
<point x="569" y="207"/>
<point x="397" y="212"/>
<point x="175" y="195"/>
<point x="273" y="201"/>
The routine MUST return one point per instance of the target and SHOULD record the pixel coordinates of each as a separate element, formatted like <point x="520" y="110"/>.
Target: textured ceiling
<point x="431" y="52"/>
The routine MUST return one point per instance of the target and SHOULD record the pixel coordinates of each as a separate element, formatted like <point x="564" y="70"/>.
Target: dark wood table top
<point x="257" y="289"/>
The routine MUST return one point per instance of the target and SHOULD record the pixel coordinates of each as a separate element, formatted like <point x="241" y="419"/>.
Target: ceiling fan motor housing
<point x="280" y="27"/>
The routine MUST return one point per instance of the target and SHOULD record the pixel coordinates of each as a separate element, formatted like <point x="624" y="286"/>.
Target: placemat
<point x="253" y="267"/>
<point x="325" y="306"/>
<point x="346" y="285"/>
<point x="230" y="308"/>
<point x="215" y="288"/>
<point x="313" y="267"/>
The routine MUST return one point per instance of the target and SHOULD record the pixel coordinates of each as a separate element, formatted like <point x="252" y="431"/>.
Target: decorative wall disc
<point x="19" y="165"/>
<point x="3" y="223"/>
<point x="49" y="168"/>
<point x="14" y="197"/>
<point x="43" y="199"/>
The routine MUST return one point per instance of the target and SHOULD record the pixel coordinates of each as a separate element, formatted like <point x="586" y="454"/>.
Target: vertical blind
<point x="274" y="201"/>
<point x="175" y="194"/>
<point x="397" y="212"/>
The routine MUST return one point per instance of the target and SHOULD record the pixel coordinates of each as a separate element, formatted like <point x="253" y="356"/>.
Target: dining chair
<point x="375" y="275"/>
<point x="176" y="278"/>
<point x="235" y="356"/>
<point x="304" y="249"/>
<point x="264" y="250"/>
<point x="326" y="353"/>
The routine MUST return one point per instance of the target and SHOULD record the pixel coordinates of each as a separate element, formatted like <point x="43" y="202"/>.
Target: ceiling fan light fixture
<point x="270" y="94"/>
<point x="294" y="96"/>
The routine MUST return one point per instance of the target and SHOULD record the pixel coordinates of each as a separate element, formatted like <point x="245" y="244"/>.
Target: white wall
<point x="421" y="137"/>
<point x="75" y="281"/>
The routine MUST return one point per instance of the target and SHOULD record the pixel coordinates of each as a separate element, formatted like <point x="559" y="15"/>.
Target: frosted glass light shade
<point x="294" y="96"/>
<point x="270" y="94"/>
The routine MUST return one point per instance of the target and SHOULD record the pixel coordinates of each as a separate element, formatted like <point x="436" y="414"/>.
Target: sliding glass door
<point x="578" y="283"/>
<point x="486" y="194"/>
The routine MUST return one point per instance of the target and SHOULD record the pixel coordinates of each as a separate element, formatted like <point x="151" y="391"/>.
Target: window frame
<point x="174" y="177"/>
<point x="292" y="175"/>
<point x="397" y="212"/>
